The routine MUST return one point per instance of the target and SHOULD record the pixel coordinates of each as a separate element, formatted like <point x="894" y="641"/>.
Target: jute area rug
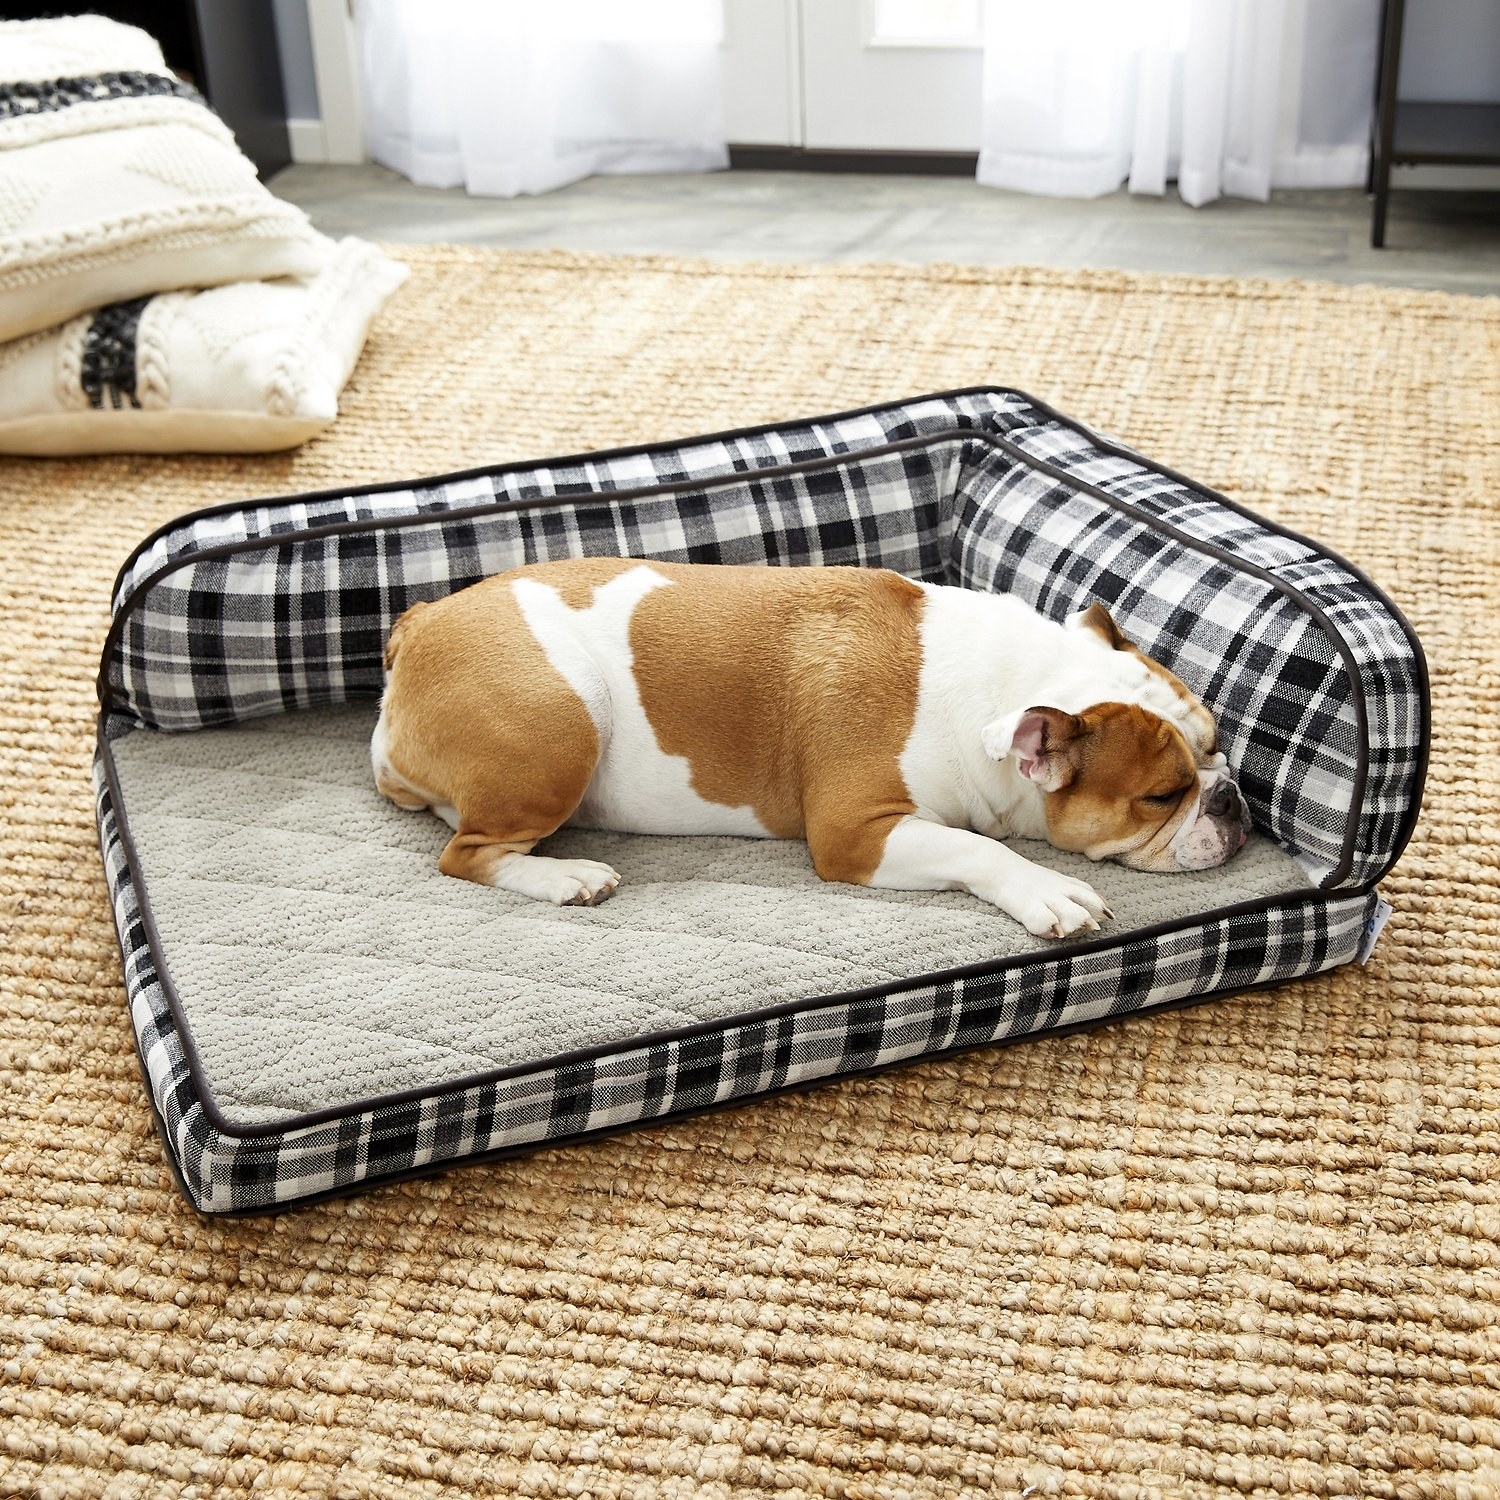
<point x="1249" y="1248"/>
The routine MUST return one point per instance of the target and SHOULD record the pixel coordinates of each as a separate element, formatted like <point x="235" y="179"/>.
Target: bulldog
<point x="902" y="729"/>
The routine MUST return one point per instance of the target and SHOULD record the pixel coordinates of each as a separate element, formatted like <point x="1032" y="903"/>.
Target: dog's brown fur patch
<point x="1123" y="756"/>
<point x="477" y="717"/>
<point x="789" y="691"/>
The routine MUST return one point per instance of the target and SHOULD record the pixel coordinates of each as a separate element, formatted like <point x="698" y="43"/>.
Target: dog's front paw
<point x="1057" y="906"/>
<point x="584" y="882"/>
<point x="564" y="882"/>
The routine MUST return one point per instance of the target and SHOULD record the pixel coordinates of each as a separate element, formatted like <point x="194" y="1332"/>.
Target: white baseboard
<point x="308" y="140"/>
<point x="336" y="64"/>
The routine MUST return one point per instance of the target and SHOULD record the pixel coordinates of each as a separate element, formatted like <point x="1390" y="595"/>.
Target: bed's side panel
<point x="692" y="462"/>
<point x="265" y="626"/>
<point x="227" y="1173"/>
<point x="174" y="1095"/>
<point x="1317" y="686"/>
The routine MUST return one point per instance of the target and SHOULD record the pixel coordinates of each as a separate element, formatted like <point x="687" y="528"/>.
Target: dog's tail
<point x="393" y="640"/>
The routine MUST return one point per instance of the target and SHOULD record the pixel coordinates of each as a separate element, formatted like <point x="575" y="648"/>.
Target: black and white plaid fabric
<point x="820" y="1039"/>
<point x="1316" y="682"/>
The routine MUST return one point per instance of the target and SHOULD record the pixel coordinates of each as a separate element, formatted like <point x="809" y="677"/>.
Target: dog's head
<point x="1141" y="781"/>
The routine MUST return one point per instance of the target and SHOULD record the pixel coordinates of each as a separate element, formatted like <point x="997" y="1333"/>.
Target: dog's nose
<point x="1223" y="801"/>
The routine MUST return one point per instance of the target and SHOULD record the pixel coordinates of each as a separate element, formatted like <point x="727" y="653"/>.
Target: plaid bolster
<point x="262" y="608"/>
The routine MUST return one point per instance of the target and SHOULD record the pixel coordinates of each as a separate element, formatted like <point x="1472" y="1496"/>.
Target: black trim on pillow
<point x="46" y="96"/>
<point x="107" y="368"/>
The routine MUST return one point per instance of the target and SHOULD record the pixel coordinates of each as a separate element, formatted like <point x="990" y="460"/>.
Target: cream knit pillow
<point x="117" y="180"/>
<point x="235" y="369"/>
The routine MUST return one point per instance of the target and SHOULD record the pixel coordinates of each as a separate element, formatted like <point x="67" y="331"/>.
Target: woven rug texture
<point x="1249" y="1248"/>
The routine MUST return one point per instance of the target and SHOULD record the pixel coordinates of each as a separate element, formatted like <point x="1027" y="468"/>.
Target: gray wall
<point x="1450" y="49"/>
<point x="297" y="77"/>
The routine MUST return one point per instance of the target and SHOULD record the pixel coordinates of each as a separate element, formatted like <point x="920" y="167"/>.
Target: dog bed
<point x="318" y="1009"/>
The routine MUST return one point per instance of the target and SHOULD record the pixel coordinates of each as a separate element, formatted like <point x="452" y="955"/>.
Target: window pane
<point x="927" y="20"/>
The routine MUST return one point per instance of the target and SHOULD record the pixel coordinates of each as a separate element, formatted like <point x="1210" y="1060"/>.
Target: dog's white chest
<point x="636" y="788"/>
<point x="949" y="777"/>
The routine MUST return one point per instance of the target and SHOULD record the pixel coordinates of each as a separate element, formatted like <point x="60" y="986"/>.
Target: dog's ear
<point x="1098" y="619"/>
<point x="1044" y="742"/>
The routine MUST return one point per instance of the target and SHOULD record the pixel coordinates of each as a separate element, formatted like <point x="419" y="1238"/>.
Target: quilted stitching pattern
<point x="323" y="960"/>
<point x="230" y="1172"/>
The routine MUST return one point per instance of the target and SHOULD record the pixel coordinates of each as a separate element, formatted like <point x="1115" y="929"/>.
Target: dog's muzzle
<point x="1217" y="829"/>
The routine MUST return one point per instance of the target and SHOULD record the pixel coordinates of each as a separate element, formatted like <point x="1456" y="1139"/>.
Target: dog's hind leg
<point x="519" y="786"/>
<point x="504" y="766"/>
<point x="521" y="802"/>
<point x="506" y="865"/>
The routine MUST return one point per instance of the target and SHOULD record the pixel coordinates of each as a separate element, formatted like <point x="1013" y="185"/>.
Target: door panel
<point x="762" y="72"/>
<point x="891" y="75"/>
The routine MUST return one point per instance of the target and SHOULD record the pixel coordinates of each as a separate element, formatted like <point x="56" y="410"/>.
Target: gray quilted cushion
<point x="321" y="959"/>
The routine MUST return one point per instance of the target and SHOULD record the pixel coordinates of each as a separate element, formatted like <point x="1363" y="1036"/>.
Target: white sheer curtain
<point x="1227" y="96"/>
<point x="521" y="96"/>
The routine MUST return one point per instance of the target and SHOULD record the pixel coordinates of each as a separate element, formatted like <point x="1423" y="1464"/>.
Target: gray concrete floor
<point x="1444" y="240"/>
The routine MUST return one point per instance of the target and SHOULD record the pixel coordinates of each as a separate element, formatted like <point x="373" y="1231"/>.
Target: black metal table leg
<point x="1393" y="17"/>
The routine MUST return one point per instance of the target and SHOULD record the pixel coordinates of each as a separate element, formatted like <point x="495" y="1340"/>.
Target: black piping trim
<point x="933" y="439"/>
<point x="673" y="1117"/>
<point x="982" y="969"/>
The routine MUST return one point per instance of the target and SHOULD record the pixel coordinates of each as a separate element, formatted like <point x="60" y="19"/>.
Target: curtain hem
<point x="1050" y="176"/>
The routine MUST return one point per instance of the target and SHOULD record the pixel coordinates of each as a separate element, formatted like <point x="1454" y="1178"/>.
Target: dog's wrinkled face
<point x="1126" y="782"/>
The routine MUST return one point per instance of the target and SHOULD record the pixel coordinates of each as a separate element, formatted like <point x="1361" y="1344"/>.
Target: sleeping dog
<point x="903" y="729"/>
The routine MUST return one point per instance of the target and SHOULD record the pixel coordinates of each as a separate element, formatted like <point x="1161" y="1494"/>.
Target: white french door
<point x="763" y="72"/>
<point x="862" y="75"/>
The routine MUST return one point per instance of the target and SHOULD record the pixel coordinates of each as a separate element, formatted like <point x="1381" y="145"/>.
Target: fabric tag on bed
<point x="1374" y="927"/>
